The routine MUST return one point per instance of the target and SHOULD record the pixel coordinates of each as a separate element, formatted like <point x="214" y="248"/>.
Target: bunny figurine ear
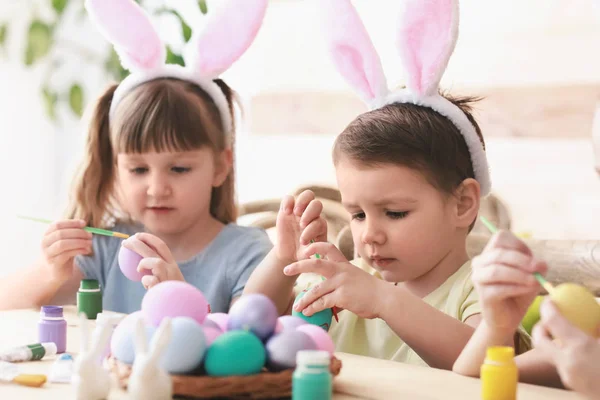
<point x="84" y="330"/>
<point x="352" y="51"/>
<point x="128" y="28"/>
<point x="427" y="34"/>
<point x="141" y="346"/>
<point x="161" y="339"/>
<point x="229" y="30"/>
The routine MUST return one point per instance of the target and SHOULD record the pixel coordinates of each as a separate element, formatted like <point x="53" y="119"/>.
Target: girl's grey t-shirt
<point x="220" y="271"/>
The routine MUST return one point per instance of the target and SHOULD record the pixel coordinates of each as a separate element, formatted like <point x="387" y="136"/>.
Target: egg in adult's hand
<point x="174" y="299"/>
<point x="235" y="353"/>
<point x="255" y="313"/>
<point x="282" y="349"/>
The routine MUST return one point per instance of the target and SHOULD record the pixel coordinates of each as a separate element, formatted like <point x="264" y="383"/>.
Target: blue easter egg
<point x="322" y="318"/>
<point x="235" y="353"/>
<point x="122" y="343"/>
<point x="282" y="349"/>
<point x="186" y="348"/>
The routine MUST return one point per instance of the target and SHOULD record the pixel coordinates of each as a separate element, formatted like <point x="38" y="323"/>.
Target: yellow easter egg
<point x="579" y="306"/>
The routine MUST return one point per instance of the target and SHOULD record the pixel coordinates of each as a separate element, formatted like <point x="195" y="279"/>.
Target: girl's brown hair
<point x="413" y="136"/>
<point x="161" y="115"/>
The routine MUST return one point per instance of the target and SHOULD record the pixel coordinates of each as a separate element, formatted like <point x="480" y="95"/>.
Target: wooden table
<point x="360" y="378"/>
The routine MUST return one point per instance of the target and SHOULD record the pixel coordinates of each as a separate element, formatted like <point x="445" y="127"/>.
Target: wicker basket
<point x="266" y="385"/>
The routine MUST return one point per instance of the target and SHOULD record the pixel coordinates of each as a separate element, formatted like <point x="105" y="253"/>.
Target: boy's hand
<point x="346" y="286"/>
<point x="298" y="223"/>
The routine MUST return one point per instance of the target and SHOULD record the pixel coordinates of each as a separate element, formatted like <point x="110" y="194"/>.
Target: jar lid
<point x="52" y="311"/>
<point x="314" y="358"/>
<point x="88" y="284"/>
<point x="500" y="354"/>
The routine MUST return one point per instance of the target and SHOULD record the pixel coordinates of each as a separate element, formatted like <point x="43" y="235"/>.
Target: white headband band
<point x="228" y="32"/>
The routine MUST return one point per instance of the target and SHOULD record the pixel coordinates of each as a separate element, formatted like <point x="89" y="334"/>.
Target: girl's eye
<point x="180" y="170"/>
<point x="397" y="214"/>
<point x="138" y="170"/>
<point x="358" y="216"/>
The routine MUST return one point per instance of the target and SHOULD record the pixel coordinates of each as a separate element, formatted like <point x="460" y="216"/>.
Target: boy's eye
<point x="397" y="214"/>
<point x="358" y="216"/>
<point x="138" y="170"/>
<point x="180" y="170"/>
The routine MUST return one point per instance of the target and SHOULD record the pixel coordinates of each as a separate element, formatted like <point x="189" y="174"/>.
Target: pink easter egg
<point x="210" y="334"/>
<point x="288" y="322"/>
<point x="220" y="319"/>
<point x="319" y="336"/>
<point x="174" y="299"/>
<point x="128" y="262"/>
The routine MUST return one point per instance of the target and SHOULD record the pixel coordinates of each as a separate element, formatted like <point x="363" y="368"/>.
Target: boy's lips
<point x="382" y="261"/>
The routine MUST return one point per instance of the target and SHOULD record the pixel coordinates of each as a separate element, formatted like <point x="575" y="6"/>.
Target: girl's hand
<point x="299" y="222"/>
<point x="346" y="286"/>
<point x="157" y="258"/>
<point x="62" y="242"/>
<point x="503" y="278"/>
<point x="575" y="354"/>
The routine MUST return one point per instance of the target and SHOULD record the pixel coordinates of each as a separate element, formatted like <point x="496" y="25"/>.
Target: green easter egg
<point x="322" y="318"/>
<point x="532" y="316"/>
<point x="235" y="353"/>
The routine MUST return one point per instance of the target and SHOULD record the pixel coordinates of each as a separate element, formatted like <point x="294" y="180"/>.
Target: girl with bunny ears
<point x="159" y="161"/>
<point x="411" y="173"/>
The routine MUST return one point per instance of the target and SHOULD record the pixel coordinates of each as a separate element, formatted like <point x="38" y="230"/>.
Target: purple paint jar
<point x="52" y="327"/>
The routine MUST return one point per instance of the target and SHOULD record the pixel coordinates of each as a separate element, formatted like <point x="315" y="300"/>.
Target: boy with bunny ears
<point x="411" y="173"/>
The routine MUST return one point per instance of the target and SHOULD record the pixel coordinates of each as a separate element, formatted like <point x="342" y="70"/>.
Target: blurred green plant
<point x="42" y="39"/>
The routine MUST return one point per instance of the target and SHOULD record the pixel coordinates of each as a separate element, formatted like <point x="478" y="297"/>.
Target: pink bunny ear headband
<point x="228" y="33"/>
<point x="427" y="34"/>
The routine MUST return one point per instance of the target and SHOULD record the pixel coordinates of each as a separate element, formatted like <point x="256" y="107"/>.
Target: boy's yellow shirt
<point x="456" y="297"/>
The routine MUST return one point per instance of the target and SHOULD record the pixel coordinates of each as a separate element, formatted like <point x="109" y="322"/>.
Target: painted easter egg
<point x="288" y="322"/>
<point x="319" y="336"/>
<point x="128" y="263"/>
<point x="322" y="318"/>
<point x="577" y="304"/>
<point x="174" y="299"/>
<point x="255" y="313"/>
<point x="235" y="353"/>
<point x="122" y="345"/>
<point x="210" y="334"/>
<point x="282" y="349"/>
<point x="186" y="347"/>
<point x="220" y="319"/>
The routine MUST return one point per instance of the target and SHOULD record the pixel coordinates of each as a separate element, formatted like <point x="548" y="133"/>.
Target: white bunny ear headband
<point x="427" y="34"/>
<point x="227" y="34"/>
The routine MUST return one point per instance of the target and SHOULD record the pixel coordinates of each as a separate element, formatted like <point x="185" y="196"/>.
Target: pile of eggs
<point x="243" y="342"/>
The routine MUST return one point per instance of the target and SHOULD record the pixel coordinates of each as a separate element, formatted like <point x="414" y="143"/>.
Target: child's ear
<point x="223" y="165"/>
<point x="468" y="195"/>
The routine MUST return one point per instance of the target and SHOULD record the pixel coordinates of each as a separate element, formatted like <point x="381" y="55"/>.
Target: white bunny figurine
<point x="148" y="381"/>
<point x="90" y="380"/>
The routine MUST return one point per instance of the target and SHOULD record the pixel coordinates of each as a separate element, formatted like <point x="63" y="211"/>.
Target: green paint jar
<point x="89" y="298"/>
<point x="312" y="378"/>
